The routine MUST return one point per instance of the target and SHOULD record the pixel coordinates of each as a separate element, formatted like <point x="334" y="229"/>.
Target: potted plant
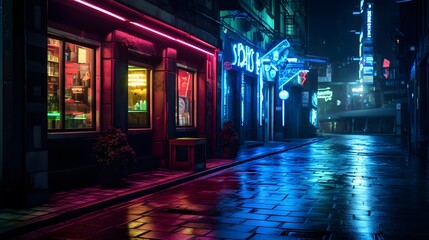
<point x="113" y="154"/>
<point x="229" y="140"/>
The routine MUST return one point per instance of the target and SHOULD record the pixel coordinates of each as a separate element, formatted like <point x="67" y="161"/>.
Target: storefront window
<point x="138" y="97"/>
<point x="70" y="85"/>
<point x="185" y="99"/>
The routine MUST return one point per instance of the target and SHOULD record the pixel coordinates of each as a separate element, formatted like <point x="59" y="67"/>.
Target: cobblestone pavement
<point x="345" y="187"/>
<point x="69" y="204"/>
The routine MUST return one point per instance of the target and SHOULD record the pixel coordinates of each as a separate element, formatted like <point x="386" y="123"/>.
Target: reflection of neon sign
<point x="245" y="57"/>
<point x="325" y="93"/>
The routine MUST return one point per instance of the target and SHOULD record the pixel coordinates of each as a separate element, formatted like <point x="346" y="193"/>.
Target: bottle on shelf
<point x="143" y="105"/>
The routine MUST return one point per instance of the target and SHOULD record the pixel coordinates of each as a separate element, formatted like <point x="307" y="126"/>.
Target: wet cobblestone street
<point x="344" y="187"/>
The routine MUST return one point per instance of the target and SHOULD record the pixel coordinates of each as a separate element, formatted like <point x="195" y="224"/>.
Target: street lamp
<point x="283" y="95"/>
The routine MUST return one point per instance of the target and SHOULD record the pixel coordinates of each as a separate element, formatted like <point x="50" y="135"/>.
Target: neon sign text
<point x="325" y="93"/>
<point x="246" y="58"/>
<point x="369" y="22"/>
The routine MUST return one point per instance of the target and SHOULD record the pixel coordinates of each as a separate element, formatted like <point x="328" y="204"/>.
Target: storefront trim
<point x="144" y="27"/>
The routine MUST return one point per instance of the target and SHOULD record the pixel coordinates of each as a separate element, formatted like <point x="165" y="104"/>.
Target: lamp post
<point x="283" y="95"/>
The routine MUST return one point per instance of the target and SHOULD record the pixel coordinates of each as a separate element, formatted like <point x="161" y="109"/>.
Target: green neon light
<point x="325" y="93"/>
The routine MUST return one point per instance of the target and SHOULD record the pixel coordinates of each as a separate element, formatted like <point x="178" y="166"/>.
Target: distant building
<point x="374" y="102"/>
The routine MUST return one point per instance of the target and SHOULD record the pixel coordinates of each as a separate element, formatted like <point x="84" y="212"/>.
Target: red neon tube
<point x="99" y="9"/>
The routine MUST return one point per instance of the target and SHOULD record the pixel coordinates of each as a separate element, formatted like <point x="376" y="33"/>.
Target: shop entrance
<point x="268" y="111"/>
<point x="249" y="108"/>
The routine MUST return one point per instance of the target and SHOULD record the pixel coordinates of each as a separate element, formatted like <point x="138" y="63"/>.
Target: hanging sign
<point x="245" y="58"/>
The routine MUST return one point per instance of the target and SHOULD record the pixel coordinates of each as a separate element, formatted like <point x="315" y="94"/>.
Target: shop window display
<point x="185" y="99"/>
<point x="138" y="97"/>
<point x="70" y="69"/>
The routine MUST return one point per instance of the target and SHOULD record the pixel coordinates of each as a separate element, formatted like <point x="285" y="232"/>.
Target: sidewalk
<point x="66" y="205"/>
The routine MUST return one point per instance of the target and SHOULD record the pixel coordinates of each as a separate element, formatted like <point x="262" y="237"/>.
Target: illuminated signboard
<point x="246" y="58"/>
<point x="368" y="70"/>
<point x="369" y="21"/>
<point x="314" y="100"/>
<point x="368" y="79"/>
<point x="358" y="89"/>
<point x="325" y="93"/>
<point x="367" y="60"/>
<point x="386" y="65"/>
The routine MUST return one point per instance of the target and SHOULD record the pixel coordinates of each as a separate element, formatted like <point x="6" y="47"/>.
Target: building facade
<point x="146" y="67"/>
<point x="249" y="77"/>
<point x="413" y="51"/>
<point x="156" y="69"/>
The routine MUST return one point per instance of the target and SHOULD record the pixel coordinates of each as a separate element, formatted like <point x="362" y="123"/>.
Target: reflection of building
<point x="89" y="65"/>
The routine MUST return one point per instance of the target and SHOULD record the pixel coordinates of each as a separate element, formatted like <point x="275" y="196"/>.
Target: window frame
<point x="194" y="107"/>
<point x="64" y="38"/>
<point x="150" y="94"/>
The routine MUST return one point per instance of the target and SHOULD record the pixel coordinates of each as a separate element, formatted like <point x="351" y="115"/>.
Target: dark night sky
<point x="329" y="22"/>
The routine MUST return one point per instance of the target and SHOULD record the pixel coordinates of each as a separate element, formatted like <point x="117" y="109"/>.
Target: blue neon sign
<point x="246" y="58"/>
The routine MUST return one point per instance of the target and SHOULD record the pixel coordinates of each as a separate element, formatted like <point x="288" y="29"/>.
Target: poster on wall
<point x="72" y="72"/>
<point x="305" y="99"/>
<point x="85" y="74"/>
<point x="183" y="83"/>
<point x="183" y="105"/>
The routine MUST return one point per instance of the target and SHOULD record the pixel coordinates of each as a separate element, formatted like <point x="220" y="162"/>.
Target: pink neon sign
<point x="99" y="9"/>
